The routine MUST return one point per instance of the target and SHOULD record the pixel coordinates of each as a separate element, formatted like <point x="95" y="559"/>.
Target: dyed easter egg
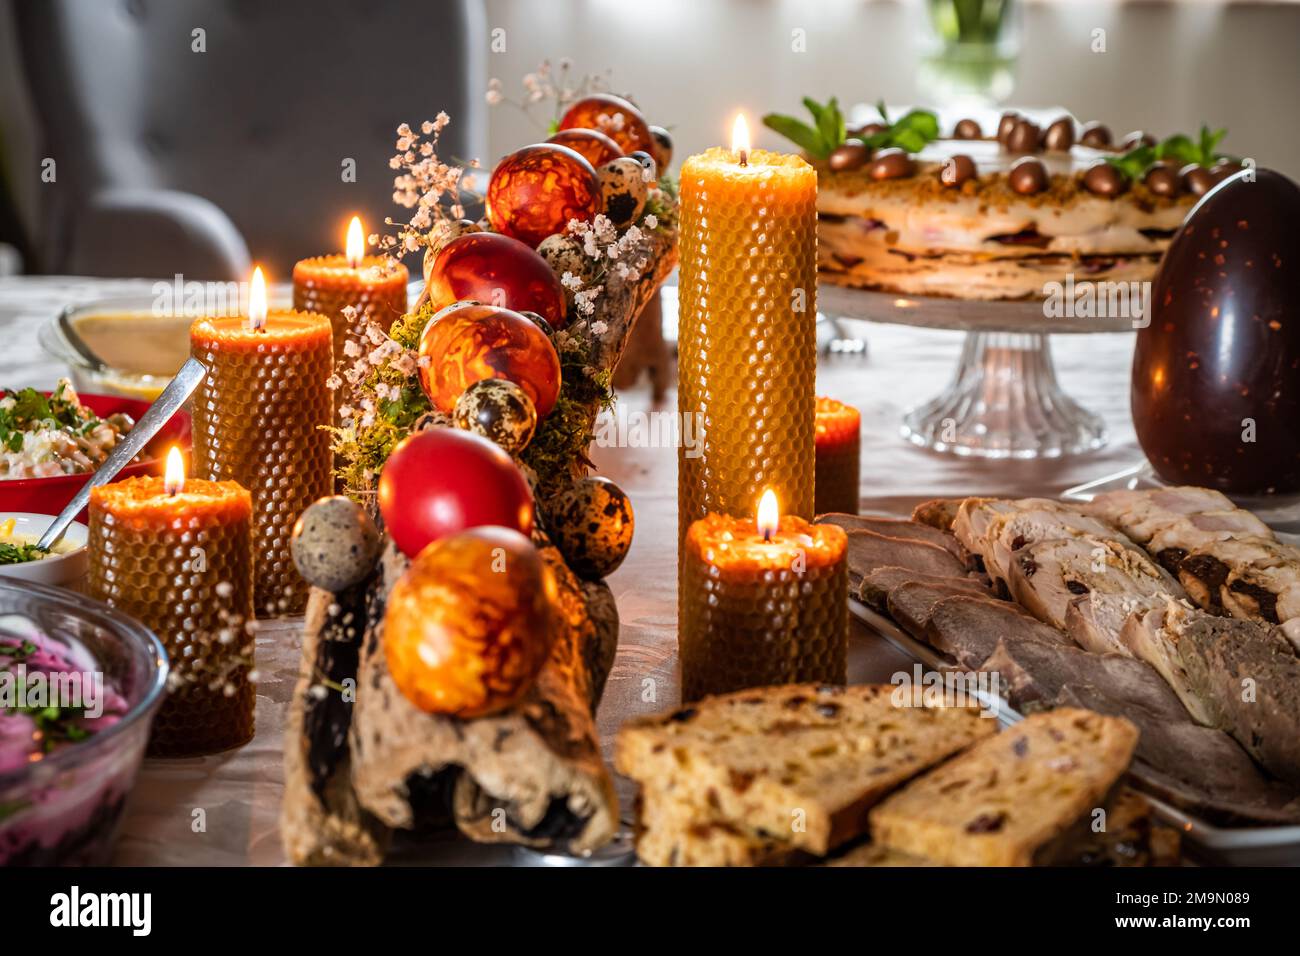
<point x="496" y="270"/>
<point x="535" y="191"/>
<point x="468" y="342"/>
<point x="615" y="117"/>
<point x="594" y="146"/>
<point x="443" y="481"/>
<point x="468" y="626"/>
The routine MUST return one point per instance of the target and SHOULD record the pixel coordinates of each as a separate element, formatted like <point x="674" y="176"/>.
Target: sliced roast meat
<point x="939" y="513"/>
<point x="911" y="604"/>
<point x="1250" y="675"/>
<point x="1141" y="514"/>
<point x="1035" y="672"/>
<point x="876" y="586"/>
<point x="1154" y="635"/>
<point x="1088" y="586"/>
<point x="969" y="629"/>
<point x="997" y="529"/>
<point x="869" y="551"/>
<point x="1225" y="557"/>
<point x="1199" y="769"/>
<point x="898" y="528"/>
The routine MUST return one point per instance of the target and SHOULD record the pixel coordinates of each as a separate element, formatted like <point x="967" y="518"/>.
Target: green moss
<point x="560" y="444"/>
<point x="557" y="448"/>
<point x="362" y="451"/>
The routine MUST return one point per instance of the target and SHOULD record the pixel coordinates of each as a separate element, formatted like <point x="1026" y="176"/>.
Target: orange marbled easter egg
<point x="535" y="191"/>
<point x="593" y="145"/>
<point x="468" y="626"/>
<point x="468" y="342"/>
<point x="614" y="116"/>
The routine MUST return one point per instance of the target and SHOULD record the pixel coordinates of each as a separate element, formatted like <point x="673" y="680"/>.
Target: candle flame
<point x="257" y="300"/>
<point x="769" y="514"/>
<point x="174" y="477"/>
<point x="356" y="245"/>
<point x="740" y="138"/>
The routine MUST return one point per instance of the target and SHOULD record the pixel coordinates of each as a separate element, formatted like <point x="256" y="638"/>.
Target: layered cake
<point x="980" y="216"/>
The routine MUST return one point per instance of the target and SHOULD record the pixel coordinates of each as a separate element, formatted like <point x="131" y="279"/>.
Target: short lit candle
<point x="177" y="554"/>
<point x="373" y="285"/>
<point x="764" y="601"/>
<point x="839" y="452"/>
<point x="259" y="419"/>
<point x="747" y="341"/>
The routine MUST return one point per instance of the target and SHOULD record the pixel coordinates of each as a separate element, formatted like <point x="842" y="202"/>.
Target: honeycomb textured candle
<point x="756" y="612"/>
<point x="326" y="285"/>
<point x="747" y="340"/>
<point x="260" y="419"/>
<point x="839" y="452"/>
<point x="183" y="565"/>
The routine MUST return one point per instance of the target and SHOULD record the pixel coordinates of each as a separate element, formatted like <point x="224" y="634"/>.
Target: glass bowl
<point x="134" y="347"/>
<point x="64" y="807"/>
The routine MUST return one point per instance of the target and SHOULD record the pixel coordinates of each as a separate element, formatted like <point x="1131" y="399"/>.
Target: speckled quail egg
<point x="663" y="147"/>
<point x="564" y="254"/>
<point x="540" y="322"/>
<point x="335" y="544"/>
<point x="591" y="522"/>
<point x="649" y="167"/>
<point x="622" y="183"/>
<point x="500" y="411"/>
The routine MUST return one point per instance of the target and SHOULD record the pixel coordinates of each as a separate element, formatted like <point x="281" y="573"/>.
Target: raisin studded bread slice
<point x="800" y="764"/>
<point x="669" y="833"/>
<point x="1012" y="799"/>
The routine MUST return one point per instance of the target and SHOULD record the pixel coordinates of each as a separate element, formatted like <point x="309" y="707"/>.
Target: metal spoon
<point x="159" y="413"/>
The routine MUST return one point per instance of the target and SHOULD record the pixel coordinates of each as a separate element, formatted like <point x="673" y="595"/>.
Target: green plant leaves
<point x="1180" y="148"/>
<point x="911" y="132"/>
<point x="818" y="140"/>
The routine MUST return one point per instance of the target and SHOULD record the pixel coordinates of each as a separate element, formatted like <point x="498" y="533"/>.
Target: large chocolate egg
<point x="1216" y="374"/>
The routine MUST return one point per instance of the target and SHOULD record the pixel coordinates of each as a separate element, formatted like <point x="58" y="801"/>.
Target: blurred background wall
<point x="1167" y="67"/>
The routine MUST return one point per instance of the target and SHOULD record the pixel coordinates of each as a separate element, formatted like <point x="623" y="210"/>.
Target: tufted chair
<point x="171" y="160"/>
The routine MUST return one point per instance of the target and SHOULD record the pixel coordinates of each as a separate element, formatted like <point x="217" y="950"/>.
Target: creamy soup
<point x="137" y="342"/>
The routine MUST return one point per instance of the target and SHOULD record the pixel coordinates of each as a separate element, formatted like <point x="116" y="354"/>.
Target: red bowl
<point x="48" y="496"/>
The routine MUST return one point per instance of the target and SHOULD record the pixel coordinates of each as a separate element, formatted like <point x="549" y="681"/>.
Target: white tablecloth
<point x="239" y="792"/>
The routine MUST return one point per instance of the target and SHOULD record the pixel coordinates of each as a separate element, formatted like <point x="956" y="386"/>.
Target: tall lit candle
<point x="747" y="341"/>
<point x="373" y="285"/>
<point x="764" y="600"/>
<point x="177" y="554"/>
<point x="259" y="419"/>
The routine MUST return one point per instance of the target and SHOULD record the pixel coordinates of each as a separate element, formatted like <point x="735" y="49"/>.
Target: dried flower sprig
<point x="625" y="256"/>
<point x="435" y="190"/>
<point x="556" y="85"/>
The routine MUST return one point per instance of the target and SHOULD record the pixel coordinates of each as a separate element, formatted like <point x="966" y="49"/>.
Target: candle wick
<point x="767" y="535"/>
<point x="744" y="157"/>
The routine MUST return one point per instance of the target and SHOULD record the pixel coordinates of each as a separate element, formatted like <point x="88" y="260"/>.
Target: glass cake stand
<point x="1004" y="400"/>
